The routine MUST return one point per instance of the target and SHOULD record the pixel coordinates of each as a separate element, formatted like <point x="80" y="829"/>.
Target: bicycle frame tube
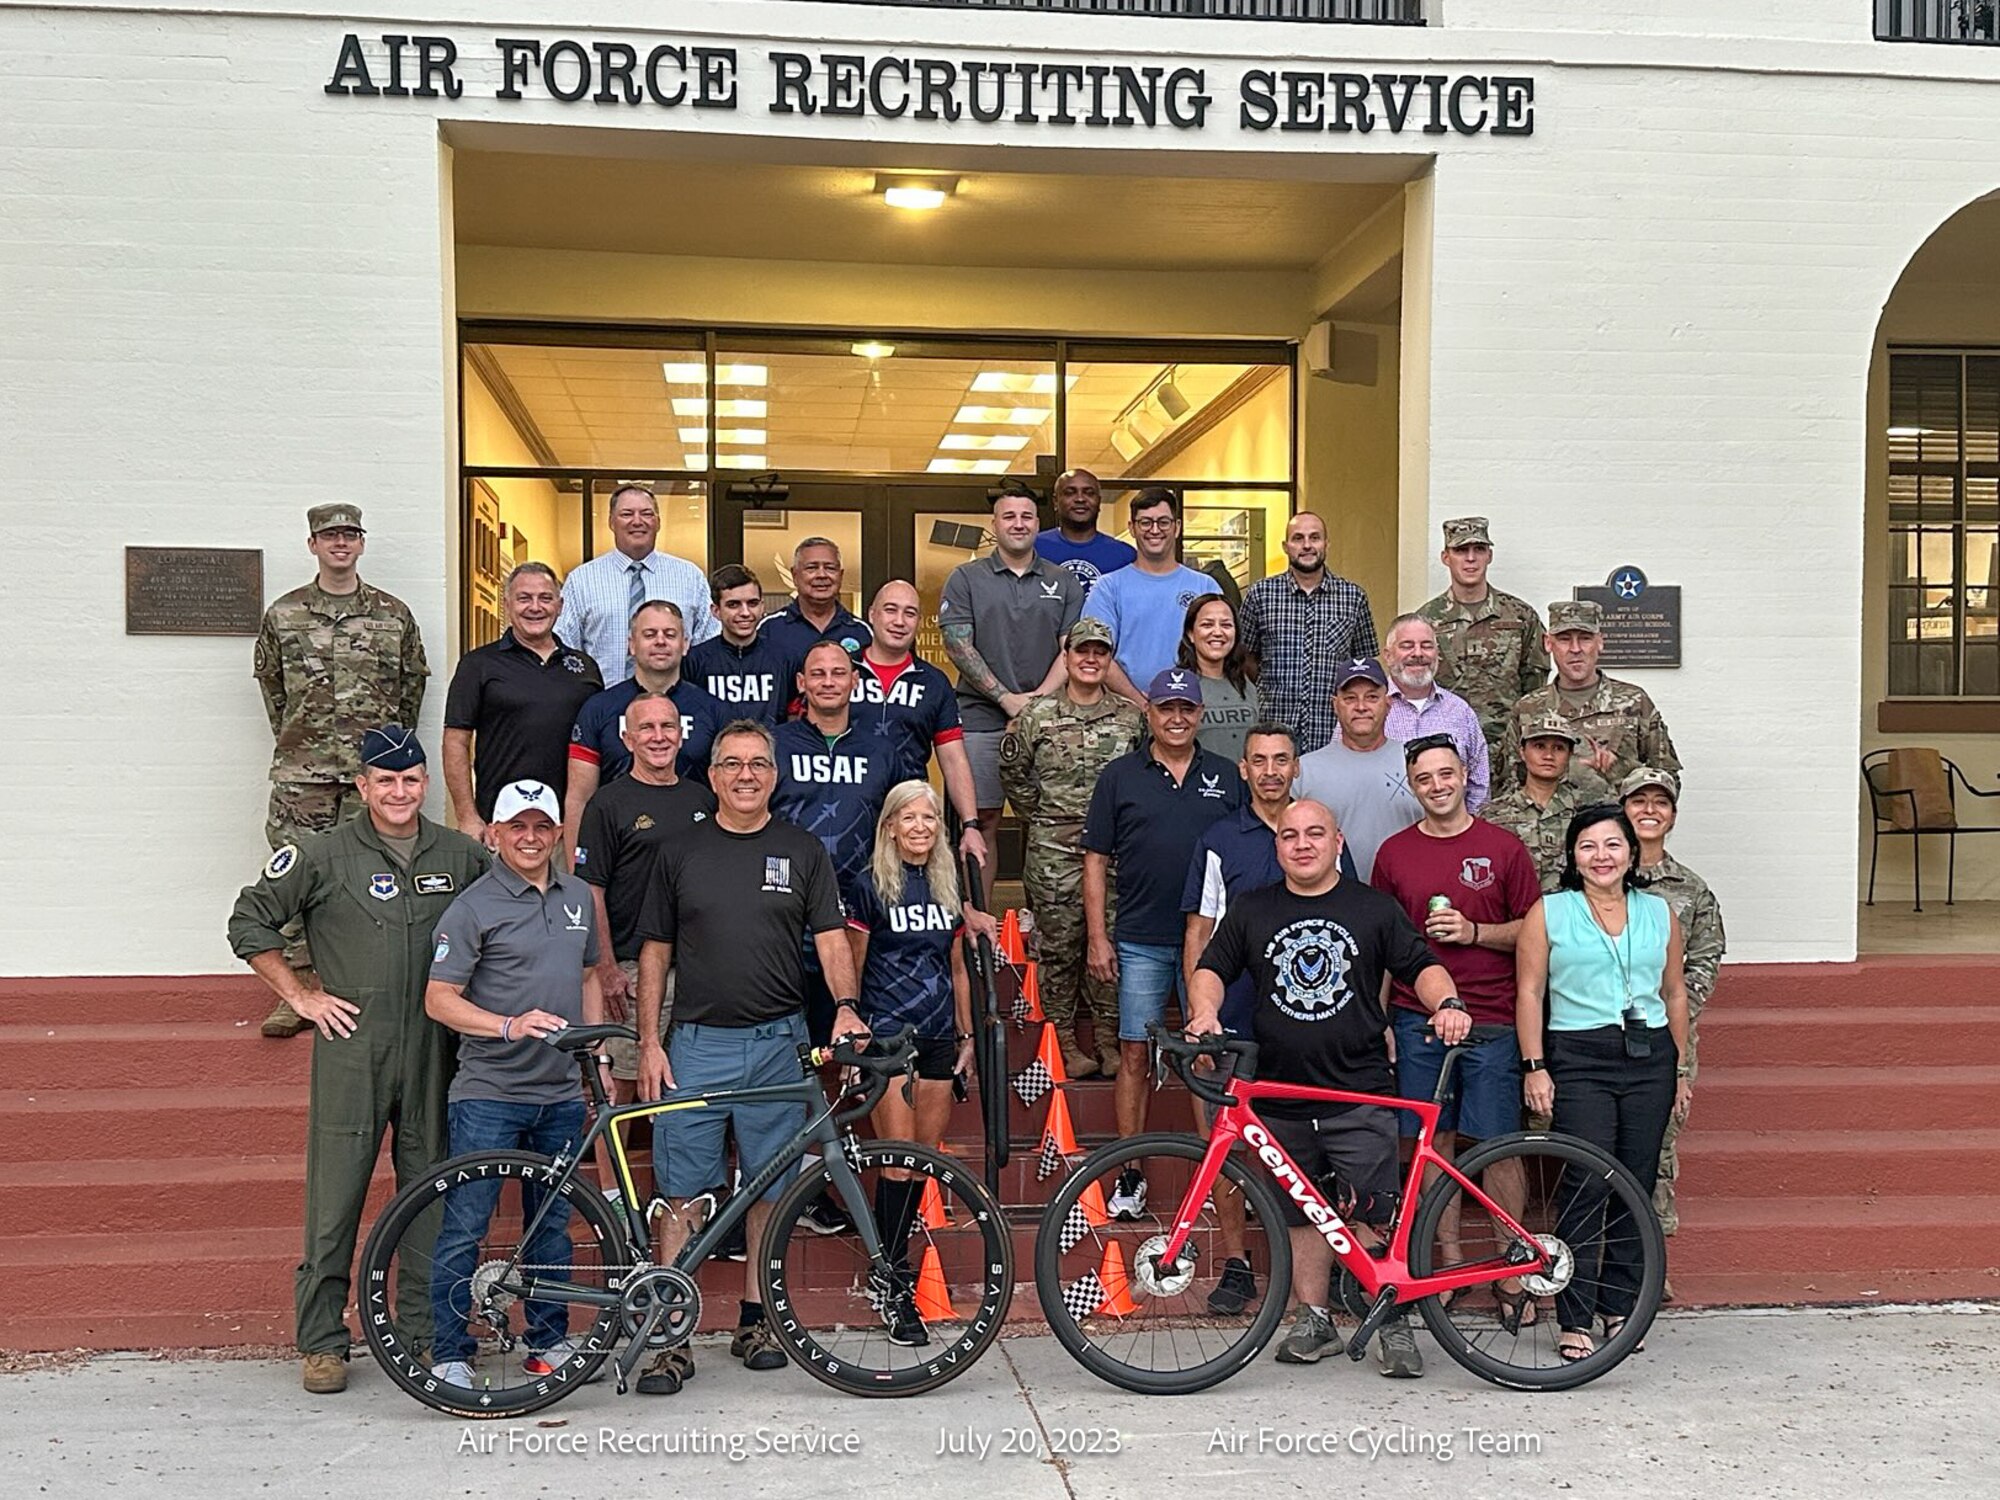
<point x="1238" y="1123"/>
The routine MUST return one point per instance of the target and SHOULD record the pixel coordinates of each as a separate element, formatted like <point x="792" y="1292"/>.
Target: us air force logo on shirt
<point x="777" y="874"/>
<point x="279" y="865"/>
<point x="1053" y="588"/>
<point x="441" y="883"/>
<point x="383" y="887"/>
<point x="1312" y="958"/>
<point x="443" y="950"/>
<point x="1211" y="786"/>
<point x="575" y="915"/>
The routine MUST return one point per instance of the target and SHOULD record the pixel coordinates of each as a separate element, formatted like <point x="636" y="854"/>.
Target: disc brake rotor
<point x="1562" y="1267"/>
<point x="1155" y="1279"/>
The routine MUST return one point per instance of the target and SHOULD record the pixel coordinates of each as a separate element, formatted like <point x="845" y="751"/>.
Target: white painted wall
<point x="1647" y="340"/>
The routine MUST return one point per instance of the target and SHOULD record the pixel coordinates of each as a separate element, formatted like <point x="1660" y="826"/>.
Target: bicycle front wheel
<point x="910" y="1320"/>
<point x="488" y="1288"/>
<point x="1130" y="1319"/>
<point x="1596" y="1222"/>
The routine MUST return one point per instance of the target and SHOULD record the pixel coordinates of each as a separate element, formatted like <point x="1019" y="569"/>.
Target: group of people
<point x="721" y="826"/>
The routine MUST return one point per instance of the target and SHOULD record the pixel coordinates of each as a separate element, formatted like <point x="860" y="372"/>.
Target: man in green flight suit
<point x="370" y="893"/>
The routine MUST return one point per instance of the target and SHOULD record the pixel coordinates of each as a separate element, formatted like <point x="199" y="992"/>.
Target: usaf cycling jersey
<point x="906" y="976"/>
<point x="914" y="708"/>
<point x="595" y="738"/>
<point x="755" y="681"/>
<point x="834" y="790"/>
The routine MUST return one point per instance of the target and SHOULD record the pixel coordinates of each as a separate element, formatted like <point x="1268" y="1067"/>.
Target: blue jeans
<point x="493" y="1125"/>
<point x="1147" y="974"/>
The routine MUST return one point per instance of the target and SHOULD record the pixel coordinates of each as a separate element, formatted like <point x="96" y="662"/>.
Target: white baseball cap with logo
<point x="518" y="797"/>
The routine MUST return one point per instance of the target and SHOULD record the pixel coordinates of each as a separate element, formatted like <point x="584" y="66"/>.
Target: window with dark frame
<point x="1944" y="524"/>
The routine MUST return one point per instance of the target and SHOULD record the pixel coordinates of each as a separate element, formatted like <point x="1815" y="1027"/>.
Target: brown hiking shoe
<point x="1077" y="1062"/>
<point x="325" y="1374"/>
<point x="283" y="1021"/>
<point x="1108" y="1059"/>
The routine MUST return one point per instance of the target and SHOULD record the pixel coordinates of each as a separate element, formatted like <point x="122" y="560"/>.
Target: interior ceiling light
<point x="1127" y="442"/>
<point x="1002" y="416"/>
<point x="968" y="466"/>
<point x="694" y="460"/>
<point x="742" y="461"/>
<point x="697" y="374"/>
<point x="1019" y="383"/>
<point x="871" y="349"/>
<point x="1171" y="401"/>
<point x="696" y="406"/>
<point x="996" y="442"/>
<point x="916" y="190"/>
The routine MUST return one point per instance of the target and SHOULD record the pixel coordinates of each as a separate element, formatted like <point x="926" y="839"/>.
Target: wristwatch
<point x="1533" y="1065"/>
<point x="1451" y="1002"/>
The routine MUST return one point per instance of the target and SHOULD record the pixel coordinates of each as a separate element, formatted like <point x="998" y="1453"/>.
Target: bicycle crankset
<point x="1562" y="1267"/>
<point x="1156" y="1280"/>
<point x="661" y="1303"/>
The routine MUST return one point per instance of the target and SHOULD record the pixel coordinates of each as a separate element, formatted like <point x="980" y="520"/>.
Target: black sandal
<point x="1512" y="1306"/>
<point x="1572" y="1352"/>
<point x="1614" y="1326"/>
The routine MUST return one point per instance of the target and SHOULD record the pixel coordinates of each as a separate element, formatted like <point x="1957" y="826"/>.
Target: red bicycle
<point x="1136" y="1299"/>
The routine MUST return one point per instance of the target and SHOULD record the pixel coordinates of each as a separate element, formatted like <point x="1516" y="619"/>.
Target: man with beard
<point x="1302" y="625"/>
<point x="1419" y="707"/>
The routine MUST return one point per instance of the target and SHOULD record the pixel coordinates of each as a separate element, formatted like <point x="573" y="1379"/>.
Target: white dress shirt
<point x="597" y="604"/>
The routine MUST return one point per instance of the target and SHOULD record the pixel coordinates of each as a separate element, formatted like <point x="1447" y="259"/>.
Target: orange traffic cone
<point x="934" y="1213"/>
<point x="1049" y="1054"/>
<point x="1092" y="1203"/>
<point x="1012" y="949"/>
<point x="1031" y="993"/>
<point x="1111" y="1275"/>
<point x="1058" y="1126"/>
<point x="934" y="1297"/>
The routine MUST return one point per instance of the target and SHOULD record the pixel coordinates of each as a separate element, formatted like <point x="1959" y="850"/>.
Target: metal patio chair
<point x="1913" y="793"/>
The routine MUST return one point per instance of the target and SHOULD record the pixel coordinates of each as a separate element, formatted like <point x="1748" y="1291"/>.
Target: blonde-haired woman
<point x="904" y="927"/>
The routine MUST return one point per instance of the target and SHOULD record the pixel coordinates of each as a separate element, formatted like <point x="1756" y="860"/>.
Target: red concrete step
<point x="1819" y="1288"/>
<point x="183" y="1054"/>
<point x="1866" y="985"/>
<point x="1810" y="1235"/>
<point x="196" y="997"/>
<point x="1938" y="1097"/>
<point x="149" y="1196"/>
<point x="155" y="1123"/>
<point x="1811" y="1163"/>
<point x="1903" y="1034"/>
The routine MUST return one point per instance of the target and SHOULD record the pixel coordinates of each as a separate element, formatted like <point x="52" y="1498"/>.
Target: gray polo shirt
<point x="1018" y="620"/>
<point x="513" y="949"/>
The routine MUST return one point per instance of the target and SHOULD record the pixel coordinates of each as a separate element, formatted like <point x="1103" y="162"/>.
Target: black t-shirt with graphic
<point x="1316" y="964"/>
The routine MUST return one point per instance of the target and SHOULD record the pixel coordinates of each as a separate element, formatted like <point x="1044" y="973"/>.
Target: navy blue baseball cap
<point x="391" y="748"/>
<point x="1358" y="669"/>
<point x="1174" y="685"/>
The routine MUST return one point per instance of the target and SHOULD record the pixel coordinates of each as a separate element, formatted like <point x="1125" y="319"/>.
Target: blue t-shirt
<point x="599" y="723"/>
<point x="1150" y="826"/>
<point x="1090" y="560"/>
<point x="1144" y="611"/>
<point x="834" y="792"/>
<point x="755" y="681"/>
<point x="912" y="705"/>
<point x="906" y="975"/>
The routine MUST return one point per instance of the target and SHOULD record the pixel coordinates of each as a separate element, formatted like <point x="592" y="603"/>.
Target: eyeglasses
<point x="735" y="766"/>
<point x="1164" y="523"/>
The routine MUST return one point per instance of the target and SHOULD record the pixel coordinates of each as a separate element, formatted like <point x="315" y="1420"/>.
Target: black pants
<point x="1621" y="1104"/>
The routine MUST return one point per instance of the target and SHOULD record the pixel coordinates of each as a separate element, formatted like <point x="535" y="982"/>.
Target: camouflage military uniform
<point x="1619" y="714"/>
<point x="331" y="667"/>
<point x="1490" y="654"/>
<point x="1543" y="829"/>
<point x="1701" y="934"/>
<point x="1049" y="762"/>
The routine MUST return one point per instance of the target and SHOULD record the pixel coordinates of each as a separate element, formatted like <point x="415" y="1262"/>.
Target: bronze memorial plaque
<point x="194" y="590"/>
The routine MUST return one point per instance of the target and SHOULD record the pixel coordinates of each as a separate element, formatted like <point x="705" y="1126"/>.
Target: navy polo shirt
<point x="594" y="738"/>
<point x="755" y="681"/>
<point x="1150" y="826"/>
<point x="794" y="634"/>
<point x="917" y="710"/>
<point x="834" y="792"/>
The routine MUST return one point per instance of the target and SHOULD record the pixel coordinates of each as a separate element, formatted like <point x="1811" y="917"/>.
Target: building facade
<point x="1704" y="288"/>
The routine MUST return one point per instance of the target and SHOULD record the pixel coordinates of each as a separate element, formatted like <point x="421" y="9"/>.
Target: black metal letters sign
<point x="1642" y="620"/>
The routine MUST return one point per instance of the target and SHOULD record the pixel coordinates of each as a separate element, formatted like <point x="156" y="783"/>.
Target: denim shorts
<point x="690" y="1141"/>
<point x="1485" y="1081"/>
<point x="1147" y="974"/>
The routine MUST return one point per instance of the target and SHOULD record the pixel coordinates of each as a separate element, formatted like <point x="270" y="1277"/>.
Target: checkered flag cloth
<point x="1075" y="1227"/>
<point x="1083" y="1296"/>
<point x="1020" y="1004"/>
<point x="1033" y="1081"/>
<point x="1051" y="1160"/>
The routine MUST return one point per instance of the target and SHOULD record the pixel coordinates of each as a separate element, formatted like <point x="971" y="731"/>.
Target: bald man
<point x="1302" y="624"/>
<point x="1074" y="542"/>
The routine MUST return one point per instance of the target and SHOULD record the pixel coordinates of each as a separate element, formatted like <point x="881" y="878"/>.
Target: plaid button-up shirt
<point x="1302" y="639"/>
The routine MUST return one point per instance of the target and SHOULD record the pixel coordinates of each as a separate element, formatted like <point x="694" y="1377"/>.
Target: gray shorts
<point x="1359" y="1143"/>
<point x="982" y="748"/>
<point x="624" y="1055"/>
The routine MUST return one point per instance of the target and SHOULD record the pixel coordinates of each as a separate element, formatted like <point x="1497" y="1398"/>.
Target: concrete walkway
<point x="1725" y="1404"/>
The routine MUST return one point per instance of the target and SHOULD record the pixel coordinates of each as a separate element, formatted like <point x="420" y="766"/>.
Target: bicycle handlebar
<point x="877" y="1061"/>
<point x="1179" y="1052"/>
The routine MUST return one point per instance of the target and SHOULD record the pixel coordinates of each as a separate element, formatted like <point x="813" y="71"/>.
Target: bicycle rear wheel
<point x="1585" y="1208"/>
<point x="1128" y="1319"/>
<point x="941" y="1292"/>
<point x="522" y="1353"/>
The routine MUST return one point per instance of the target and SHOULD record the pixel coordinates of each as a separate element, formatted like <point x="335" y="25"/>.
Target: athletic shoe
<point x="1128" y="1198"/>
<point x="670" y="1370"/>
<point x="891" y="1293"/>
<point x="456" y="1372"/>
<point x="1396" y="1347"/>
<point x="1235" y="1288"/>
<point x="756" y="1344"/>
<point x="735" y="1245"/>
<point x="826" y="1216"/>
<point x="548" y="1361"/>
<point x="1312" y="1338"/>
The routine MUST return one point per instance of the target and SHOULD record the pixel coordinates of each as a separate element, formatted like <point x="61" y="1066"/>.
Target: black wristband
<point x="1450" y="1002"/>
<point x="1533" y="1065"/>
<point x="853" y="1005"/>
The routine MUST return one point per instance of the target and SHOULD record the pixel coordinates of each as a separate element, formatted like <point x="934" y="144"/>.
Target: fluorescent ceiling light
<point x="1002" y="416"/>
<point x="694" y="460"/>
<point x="871" y="349"/>
<point x="741" y="461"/>
<point x="696" y="406"/>
<point x="1018" y="383"/>
<point x="915" y="190"/>
<point x="754" y="437"/>
<point x="968" y="466"/>
<point x="697" y="373"/>
<point x="997" y="442"/>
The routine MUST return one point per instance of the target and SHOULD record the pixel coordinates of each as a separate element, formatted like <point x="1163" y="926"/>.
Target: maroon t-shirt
<point x="1490" y="877"/>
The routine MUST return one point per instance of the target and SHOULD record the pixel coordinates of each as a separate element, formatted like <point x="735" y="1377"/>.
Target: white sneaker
<point x="455" y="1372"/>
<point x="1128" y="1197"/>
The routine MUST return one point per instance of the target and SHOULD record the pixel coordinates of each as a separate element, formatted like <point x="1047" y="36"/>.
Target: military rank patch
<point x="438" y="884"/>
<point x="383" y="887"/>
<point x="279" y="865"/>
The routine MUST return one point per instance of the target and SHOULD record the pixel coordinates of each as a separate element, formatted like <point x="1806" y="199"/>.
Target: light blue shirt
<point x="597" y="604"/>
<point x="1592" y="974"/>
<point x="1144" y="611"/>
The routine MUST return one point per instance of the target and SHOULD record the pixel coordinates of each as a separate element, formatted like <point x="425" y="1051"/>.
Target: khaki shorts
<point x="624" y="1055"/>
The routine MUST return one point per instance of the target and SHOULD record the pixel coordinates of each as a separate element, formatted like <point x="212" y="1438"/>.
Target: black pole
<point x="989" y="1047"/>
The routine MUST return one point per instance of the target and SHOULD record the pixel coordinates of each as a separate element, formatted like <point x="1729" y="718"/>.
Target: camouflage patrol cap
<point x="326" y="517"/>
<point x="1087" y="630"/>
<point x="1647" y="776"/>
<point x="1467" y="531"/>
<point x="1550" y="727"/>
<point x="1576" y="614"/>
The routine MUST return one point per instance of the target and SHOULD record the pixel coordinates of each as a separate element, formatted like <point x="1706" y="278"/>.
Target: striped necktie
<point x="633" y="599"/>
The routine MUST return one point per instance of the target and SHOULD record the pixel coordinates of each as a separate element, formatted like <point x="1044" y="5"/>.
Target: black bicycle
<point x="563" y="1279"/>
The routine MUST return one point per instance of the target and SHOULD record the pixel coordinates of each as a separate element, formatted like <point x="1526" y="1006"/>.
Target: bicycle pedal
<point x="1378" y="1314"/>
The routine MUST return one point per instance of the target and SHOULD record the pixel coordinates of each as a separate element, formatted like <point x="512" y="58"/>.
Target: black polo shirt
<point x="520" y="710"/>
<point x="1150" y="826"/>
